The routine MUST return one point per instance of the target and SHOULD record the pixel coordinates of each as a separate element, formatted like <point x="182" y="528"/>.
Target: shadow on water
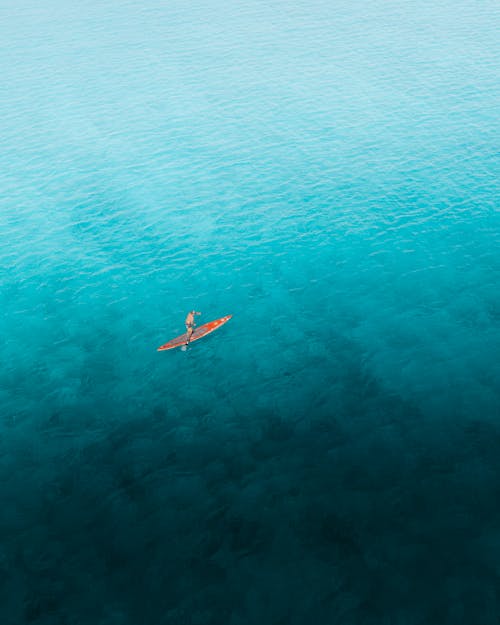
<point x="345" y="507"/>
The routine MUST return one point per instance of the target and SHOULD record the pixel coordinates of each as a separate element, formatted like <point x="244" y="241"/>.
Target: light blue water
<point x="328" y="174"/>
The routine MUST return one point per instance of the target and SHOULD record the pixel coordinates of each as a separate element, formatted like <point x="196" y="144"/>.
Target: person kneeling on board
<point x="190" y="324"/>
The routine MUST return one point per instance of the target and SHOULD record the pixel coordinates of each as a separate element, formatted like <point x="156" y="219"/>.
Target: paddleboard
<point x="198" y="333"/>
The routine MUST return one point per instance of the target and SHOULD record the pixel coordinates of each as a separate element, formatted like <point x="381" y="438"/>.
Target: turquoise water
<point x="328" y="174"/>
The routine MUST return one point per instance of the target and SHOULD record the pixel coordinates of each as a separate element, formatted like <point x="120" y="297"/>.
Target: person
<point x="190" y="324"/>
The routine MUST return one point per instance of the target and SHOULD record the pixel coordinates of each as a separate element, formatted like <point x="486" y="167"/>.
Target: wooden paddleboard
<point x="198" y="333"/>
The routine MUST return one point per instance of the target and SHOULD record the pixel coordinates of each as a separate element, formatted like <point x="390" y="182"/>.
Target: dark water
<point x="328" y="174"/>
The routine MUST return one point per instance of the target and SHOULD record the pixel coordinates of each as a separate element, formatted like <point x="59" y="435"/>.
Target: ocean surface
<point x="328" y="173"/>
